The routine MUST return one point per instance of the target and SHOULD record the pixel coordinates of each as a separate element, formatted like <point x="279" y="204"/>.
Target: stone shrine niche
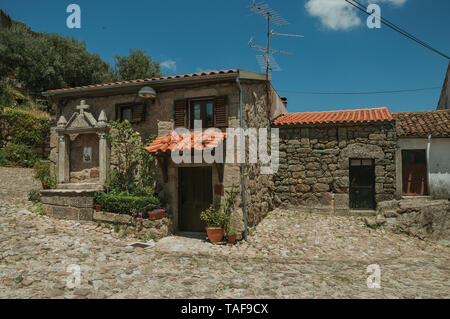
<point x="84" y="158"/>
<point x="83" y="150"/>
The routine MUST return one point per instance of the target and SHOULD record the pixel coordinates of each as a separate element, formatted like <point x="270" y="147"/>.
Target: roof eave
<point x="68" y="92"/>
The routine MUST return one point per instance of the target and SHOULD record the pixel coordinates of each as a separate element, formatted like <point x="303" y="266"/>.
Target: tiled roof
<point x="208" y="139"/>
<point x="335" y="117"/>
<point x="192" y="75"/>
<point x="423" y="123"/>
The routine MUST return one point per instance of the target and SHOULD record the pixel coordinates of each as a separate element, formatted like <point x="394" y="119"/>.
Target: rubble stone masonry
<point x="314" y="164"/>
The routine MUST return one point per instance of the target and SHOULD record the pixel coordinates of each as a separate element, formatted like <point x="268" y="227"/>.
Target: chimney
<point x="284" y="100"/>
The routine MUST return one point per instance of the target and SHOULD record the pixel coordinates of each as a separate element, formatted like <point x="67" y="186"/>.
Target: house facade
<point x="336" y="161"/>
<point x="423" y="154"/>
<point x="221" y="100"/>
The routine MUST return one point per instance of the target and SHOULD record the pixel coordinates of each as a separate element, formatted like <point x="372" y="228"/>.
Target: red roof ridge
<point x="378" y="114"/>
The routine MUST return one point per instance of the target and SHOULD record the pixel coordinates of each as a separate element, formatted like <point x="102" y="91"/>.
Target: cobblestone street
<point x="290" y="254"/>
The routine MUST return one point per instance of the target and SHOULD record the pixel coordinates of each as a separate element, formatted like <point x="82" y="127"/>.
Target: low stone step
<point x="93" y="186"/>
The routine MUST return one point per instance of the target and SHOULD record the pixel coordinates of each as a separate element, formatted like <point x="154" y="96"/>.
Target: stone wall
<point x="145" y="229"/>
<point x="68" y="204"/>
<point x="257" y="114"/>
<point x="314" y="164"/>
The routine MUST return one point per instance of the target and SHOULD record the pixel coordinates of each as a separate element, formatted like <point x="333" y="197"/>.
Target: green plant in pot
<point x="215" y="220"/>
<point x="231" y="235"/>
<point x="42" y="173"/>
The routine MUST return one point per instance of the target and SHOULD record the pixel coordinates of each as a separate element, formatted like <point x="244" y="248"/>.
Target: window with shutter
<point x="137" y="113"/>
<point x="221" y="112"/>
<point x="180" y="113"/>
<point x="133" y="112"/>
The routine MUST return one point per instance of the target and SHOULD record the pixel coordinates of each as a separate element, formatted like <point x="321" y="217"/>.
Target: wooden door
<point x="195" y="195"/>
<point x="362" y="184"/>
<point x="414" y="172"/>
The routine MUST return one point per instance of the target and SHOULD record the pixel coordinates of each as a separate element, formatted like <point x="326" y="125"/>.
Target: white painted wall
<point x="438" y="163"/>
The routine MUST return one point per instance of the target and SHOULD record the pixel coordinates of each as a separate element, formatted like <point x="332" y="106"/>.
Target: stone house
<point x="423" y="154"/>
<point x="222" y="99"/>
<point x="336" y="161"/>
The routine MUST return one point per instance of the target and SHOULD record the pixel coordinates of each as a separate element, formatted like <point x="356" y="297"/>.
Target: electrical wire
<point x="361" y="93"/>
<point x="391" y="25"/>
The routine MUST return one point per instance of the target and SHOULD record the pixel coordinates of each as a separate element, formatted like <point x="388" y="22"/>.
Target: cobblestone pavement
<point x="289" y="255"/>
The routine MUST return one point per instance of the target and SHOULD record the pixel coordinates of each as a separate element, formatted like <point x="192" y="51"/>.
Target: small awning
<point x="207" y="139"/>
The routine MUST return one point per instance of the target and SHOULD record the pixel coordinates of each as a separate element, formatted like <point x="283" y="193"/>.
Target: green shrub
<point x="42" y="173"/>
<point x="17" y="155"/>
<point x="23" y="127"/>
<point x="34" y="196"/>
<point x="126" y="204"/>
<point x="214" y="217"/>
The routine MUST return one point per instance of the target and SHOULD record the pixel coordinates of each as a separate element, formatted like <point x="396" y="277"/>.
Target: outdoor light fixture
<point x="147" y="93"/>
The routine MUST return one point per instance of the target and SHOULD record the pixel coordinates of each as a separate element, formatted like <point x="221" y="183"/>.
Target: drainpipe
<point x="241" y="124"/>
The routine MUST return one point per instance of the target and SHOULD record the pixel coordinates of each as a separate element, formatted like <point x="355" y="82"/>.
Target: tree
<point x="138" y="65"/>
<point x="43" y="61"/>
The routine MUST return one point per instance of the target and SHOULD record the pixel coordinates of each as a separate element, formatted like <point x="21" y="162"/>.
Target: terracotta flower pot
<point x="231" y="239"/>
<point x="215" y="235"/>
<point x="98" y="208"/>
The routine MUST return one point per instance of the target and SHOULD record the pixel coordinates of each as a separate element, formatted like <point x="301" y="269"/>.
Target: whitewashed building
<point x="423" y="154"/>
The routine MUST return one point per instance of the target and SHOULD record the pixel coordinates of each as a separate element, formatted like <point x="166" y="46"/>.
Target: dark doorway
<point x="195" y="195"/>
<point x="414" y="172"/>
<point x="362" y="184"/>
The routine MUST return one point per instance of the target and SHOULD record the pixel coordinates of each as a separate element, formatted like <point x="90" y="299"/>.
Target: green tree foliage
<point x="44" y="61"/>
<point x="138" y="65"/>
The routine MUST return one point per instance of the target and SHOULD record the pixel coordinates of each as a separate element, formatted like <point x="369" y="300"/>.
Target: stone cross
<point x="83" y="106"/>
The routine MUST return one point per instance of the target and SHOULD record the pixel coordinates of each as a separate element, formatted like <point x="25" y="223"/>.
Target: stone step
<point x="83" y="186"/>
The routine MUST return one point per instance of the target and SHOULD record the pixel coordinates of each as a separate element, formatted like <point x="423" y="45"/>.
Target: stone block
<point x="321" y="187"/>
<point x="341" y="201"/>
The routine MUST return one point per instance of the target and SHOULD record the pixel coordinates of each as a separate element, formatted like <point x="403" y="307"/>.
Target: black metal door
<point x="362" y="184"/>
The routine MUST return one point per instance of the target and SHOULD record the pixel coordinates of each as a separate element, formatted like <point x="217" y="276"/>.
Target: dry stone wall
<point x="314" y="164"/>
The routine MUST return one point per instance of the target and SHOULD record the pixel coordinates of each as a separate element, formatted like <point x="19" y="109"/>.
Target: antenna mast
<point x="267" y="61"/>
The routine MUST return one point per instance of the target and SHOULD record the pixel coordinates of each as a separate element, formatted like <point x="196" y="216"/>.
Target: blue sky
<point x="338" y="54"/>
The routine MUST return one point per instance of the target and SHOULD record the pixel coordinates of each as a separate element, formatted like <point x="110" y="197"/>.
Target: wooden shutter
<point x="221" y="112"/>
<point x="180" y="113"/>
<point x="137" y="113"/>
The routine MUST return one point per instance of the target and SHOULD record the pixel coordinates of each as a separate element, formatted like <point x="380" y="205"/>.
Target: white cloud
<point x="170" y="65"/>
<point x="339" y="14"/>
<point x="334" y="14"/>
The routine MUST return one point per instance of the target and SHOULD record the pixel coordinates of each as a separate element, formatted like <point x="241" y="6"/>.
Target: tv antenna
<point x="266" y="60"/>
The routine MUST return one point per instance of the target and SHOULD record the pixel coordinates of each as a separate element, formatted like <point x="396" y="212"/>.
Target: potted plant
<point x="231" y="236"/>
<point x="42" y="173"/>
<point x="215" y="221"/>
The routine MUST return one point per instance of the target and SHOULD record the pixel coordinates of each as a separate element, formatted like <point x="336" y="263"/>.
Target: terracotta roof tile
<point x="147" y="80"/>
<point x="423" y="123"/>
<point x="208" y="139"/>
<point x="344" y="116"/>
